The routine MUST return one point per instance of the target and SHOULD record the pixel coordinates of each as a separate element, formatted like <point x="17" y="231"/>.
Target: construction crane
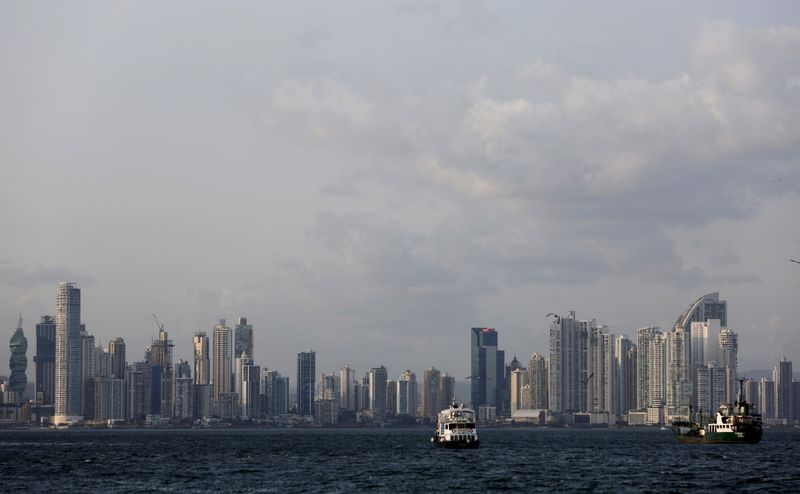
<point x="158" y="323"/>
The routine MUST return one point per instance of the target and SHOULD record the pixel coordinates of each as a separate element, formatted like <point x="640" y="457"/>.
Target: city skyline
<point x="380" y="175"/>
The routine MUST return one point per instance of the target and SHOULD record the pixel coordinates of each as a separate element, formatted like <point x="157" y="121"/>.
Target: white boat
<point x="456" y="428"/>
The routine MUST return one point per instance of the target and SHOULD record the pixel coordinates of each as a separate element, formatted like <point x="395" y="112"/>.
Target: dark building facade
<point x="45" y="360"/>
<point x="487" y="365"/>
<point x="306" y="368"/>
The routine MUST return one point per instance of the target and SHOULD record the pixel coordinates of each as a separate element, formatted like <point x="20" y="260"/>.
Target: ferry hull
<point x="458" y="444"/>
<point x="751" y="437"/>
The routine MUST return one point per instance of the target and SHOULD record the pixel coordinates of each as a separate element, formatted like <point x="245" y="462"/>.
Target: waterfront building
<point x="679" y="381"/>
<point x="711" y="384"/>
<point x="391" y="397"/>
<point x="729" y="359"/>
<point x="447" y="390"/>
<point x="250" y="389"/>
<point x="116" y="353"/>
<point x="242" y="360"/>
<point x="202" y="401"/>
<point x="407" y="394"/>
<point x="431" y="401"/>
<point x="276" y="393"/>
<point x="656" y="370"/>
<point x="487" y="370"/>
<point x="88" y="362"/>
<point x="306" y="371"/>
<point x="537" y="370"/>
<point x="18" y="362"/>
<point x="568" y="364"/>
<point x="223" y="365"/>
<point x="202" y="359"/>
<point x="377" y="392"/>
<point x="68" y="355"/>
<point x="766" y="393"/>
<point x="782" y="377"/>
<point x="624" y="375"/>
<point x="182" y="387"/>
<point x="347" y="393"/>
<point x="644" y="338"/>
<point x="243" y="338"/>
<point x="363" y="393"/>
<point x="751" y="393"/>
<point x="519" y="379"/>
<point x="45" y="360"/>
<point x="138" y="391"/>
<point x="161" y="361"/>
<point x="600" y="362"/>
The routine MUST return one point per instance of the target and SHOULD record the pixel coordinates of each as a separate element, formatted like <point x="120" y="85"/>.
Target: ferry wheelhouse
<point x="456" y="428"/>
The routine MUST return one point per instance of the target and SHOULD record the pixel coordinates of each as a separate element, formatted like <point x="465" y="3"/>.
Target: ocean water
<point x="293" y="460"/>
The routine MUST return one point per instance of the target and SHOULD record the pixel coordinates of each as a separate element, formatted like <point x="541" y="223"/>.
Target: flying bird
<point x="793" y="260"/>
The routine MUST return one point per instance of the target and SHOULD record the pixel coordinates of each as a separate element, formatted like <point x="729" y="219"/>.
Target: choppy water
<point x="270" y="460"/>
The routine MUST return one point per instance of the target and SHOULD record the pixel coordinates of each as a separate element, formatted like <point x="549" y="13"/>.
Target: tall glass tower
<point x="487" y="368"/>
<point x="68" y="354"/>
<point x="306" y="368"/>
<point x="45" y="359"/>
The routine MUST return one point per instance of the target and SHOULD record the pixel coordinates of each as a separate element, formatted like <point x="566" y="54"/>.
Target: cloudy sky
<point x="371" y="179"/>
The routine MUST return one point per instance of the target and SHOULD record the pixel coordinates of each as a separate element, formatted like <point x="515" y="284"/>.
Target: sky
<point x="371" y="179"/>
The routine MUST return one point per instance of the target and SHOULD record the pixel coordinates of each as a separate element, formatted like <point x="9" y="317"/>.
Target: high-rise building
<point x="624" y="375"/>
<point x="250" y="387"/>
<point x="707" y="307"/>
<point x="766" y="394"/>
<point x="347" y="394"/>
<point x="487" y="370"/>
<point x="679" y="381"/>
<point x="782" y="377"/>
<point x="729" y="359"/>
<point x="391" y="397"/>
<point x="88" y="373"/>
<point x="519" y="379"/>
<point x="182" y="387"/>
<point x="239" y="363"/>
<point x="223" y="364"/>
<point x="243" y="336"/>
<point x="711" y="385"/>
<point x="19" y="361"/>
<point x="202" y="359"/>
<point x="306" y="371"/>
<point x="363" y="393"/>
<point x="116" y="352"/>
<point x="600" y="362"/>
<point x="568" y="364"/>
<point x="161" y="361"/>
<point x="657" y="371"/>
<point x="644" y="338"/>
<point x="447" y="390"/>
<point x="276" y="393"/>
<point x="377" y="392"/>
<point x="431" y="400"/>
<point x="68" y="355"/>
<point x="407" y="394"/>
<point x="45" y="360"/>
<point x="537" y="370"/>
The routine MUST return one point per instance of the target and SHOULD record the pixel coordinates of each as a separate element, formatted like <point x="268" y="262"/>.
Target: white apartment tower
<point x="68" y="354"/>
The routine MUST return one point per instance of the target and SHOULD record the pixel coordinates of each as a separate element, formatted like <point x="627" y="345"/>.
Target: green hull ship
<point x="737" y="424"/>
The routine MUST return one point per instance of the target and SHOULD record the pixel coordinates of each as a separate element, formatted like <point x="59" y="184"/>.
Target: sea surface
<point x="389" y="460"/>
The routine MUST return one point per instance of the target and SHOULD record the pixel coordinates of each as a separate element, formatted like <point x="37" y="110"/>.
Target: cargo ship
<point x="732" y="424"/>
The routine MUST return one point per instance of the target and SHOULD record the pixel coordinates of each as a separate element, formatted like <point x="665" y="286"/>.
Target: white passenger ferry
<point x="456" y="428"/>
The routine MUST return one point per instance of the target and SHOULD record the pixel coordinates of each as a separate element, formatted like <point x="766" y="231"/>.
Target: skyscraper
<point x="624" y="375"/>
<point x="729" y="359"/>
<point x="116" y="351"/>
<point x="18" y="361"/>
<point x="537" y="368"/>
<point x="347" y="394"/>
<point x="243" y="336"/>
<point x="407" y="394"/>
<point x="430" y="393"/>
<point x="161" y="361"/>
<point x="202" y="360"/>
<point x="447" y="390"/>
<point x="568" y="364"/>
<point x="68" y="354"/>
<point x="782" y="377"/>
<point x="45" y="359"/>
<point x="644" y="339"/>
<point x="679" y="382"/>
<point x="600" y="360"/>
<point x="223" y="365"/>
<point x="487" y="369"/>
<point x="519" y="379"/>
<point x="88" y="371"/>
<point x="306" y="370"/>
<point x="657" y="371"/>
<point x="182" y="387"/>
<point x="377" y="392"/>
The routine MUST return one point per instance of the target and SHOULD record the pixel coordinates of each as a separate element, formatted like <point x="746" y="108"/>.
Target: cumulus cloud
<point x="31" y="276"/>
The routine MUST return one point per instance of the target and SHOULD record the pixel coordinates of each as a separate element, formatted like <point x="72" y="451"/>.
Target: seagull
<point x="792" y="260"/>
